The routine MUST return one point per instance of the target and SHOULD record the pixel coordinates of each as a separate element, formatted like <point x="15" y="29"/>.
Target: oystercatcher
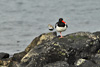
<point x="61" y="26"/>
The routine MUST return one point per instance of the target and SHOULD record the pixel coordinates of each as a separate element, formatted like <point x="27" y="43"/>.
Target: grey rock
<point x="96" y="59"/>
<point x="89" y="63"/>
<point x="4" y="55"/>
<point x="50" y="50"/>
<point x="57" y="64"/>
<point x="79" y="62"/>
<point x="18" y="56"/>
<point x="40" y="39"/>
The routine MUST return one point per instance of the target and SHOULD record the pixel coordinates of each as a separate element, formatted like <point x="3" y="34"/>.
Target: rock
<point x="4" y="59"/>
<point x="18" y="56"/>
<point x="79" y="62"/>
<point x="79" y="45"/>
<point x="96" y="59"/>
<point x="4" y="55"/>
<point x="15" y="60"/>
<point x="76" y="49"/>
<point x="5" y="62"/>
<point x="72" y="66"/>
<point x="13" y="64"/>
<point x="44" y="54"/>
<point x="89" y="64"/>
<point x="57" y="64"/>
<point x="40" y="39"/>
<point x="97" y="33"/>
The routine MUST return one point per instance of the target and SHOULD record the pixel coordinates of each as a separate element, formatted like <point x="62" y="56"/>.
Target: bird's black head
<point x="60" y="19"/>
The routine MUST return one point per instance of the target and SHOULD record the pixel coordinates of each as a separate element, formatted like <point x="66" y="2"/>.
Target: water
<point x="23" y="20"/>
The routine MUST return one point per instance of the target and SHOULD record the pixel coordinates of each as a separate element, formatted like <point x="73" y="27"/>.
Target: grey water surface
<point x="23" y="20"/>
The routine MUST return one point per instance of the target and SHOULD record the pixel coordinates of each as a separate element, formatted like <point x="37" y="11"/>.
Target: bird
<point x="51" y="28"/>
<point x="61" y="26"/>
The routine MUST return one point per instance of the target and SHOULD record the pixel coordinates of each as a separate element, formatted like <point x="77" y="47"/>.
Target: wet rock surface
<point x="80" y="49"/>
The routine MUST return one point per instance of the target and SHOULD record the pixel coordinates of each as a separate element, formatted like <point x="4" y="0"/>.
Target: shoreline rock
<point x="80" y="49"/>
<point x="4" y="59"/>
<point x="38" y="40"/>
<point x="4" y="55"/>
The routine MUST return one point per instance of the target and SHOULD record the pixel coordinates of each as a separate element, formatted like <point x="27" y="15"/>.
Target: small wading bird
<point x="51" y="28"/>
<point x="61" y="26"/>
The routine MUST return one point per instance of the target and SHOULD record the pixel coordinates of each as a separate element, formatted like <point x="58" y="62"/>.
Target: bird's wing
<point x="56" y="24"/>
<point x="66" y="25"/>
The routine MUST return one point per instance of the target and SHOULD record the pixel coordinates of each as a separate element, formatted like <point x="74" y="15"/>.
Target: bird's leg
<point x="61" y="35"/>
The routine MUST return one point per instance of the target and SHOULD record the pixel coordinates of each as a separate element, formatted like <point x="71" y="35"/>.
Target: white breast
<point x="60" y="29"/>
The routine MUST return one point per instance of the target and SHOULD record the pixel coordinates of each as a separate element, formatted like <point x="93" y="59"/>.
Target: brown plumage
<point x="51" y="28"/>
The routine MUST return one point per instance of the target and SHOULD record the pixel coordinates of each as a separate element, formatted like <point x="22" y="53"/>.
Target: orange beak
<point x="64" y="22"/>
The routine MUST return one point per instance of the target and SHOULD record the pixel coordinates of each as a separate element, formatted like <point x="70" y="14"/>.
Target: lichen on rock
<point x="48" y="50"/>
<point x="40" y="39"/>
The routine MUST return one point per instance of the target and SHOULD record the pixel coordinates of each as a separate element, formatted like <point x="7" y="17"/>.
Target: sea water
<point x="23" y="20"/>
